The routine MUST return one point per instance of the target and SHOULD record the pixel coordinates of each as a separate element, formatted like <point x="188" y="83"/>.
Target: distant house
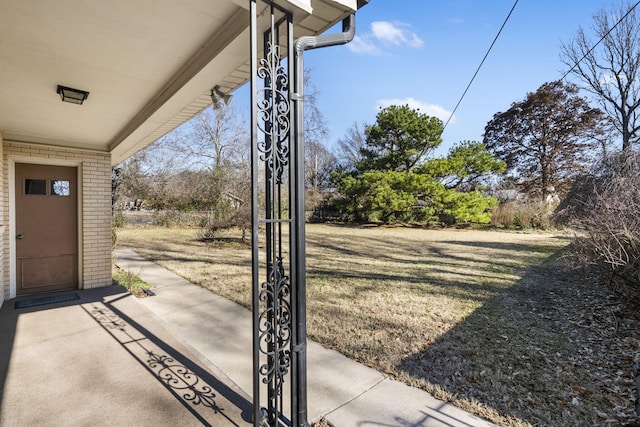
<point x="508" y="195"/>
<point x="83" y="86"/>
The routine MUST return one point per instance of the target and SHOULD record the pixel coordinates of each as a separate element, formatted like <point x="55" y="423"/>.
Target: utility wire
<point x="599" y="41"/>
<point x="481" y="63"/>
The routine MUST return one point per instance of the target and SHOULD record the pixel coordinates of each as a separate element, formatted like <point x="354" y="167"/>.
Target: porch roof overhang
<point x="148" y="65"/>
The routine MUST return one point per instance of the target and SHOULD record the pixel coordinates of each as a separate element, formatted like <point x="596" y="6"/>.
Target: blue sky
<point x="424" y="52"/>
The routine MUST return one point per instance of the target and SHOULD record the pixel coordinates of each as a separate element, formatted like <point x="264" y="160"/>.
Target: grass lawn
<point x="491" y="321"/>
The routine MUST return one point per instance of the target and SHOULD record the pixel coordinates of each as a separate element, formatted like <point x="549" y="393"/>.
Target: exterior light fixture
<point x="74" y="96"/>
<point x="218" y="98"/>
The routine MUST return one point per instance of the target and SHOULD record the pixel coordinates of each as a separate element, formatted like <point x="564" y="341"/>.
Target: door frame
<point x="12" y="160"/>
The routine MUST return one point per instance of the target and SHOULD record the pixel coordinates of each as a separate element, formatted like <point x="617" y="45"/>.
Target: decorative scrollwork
<point x="176" y="376"/>
<point x="275" y="325"/>
<point x="183" y="380"/>
<point x="109" y="320"/>
<point x="273" y="166"/>
<point x="273" y="110"/>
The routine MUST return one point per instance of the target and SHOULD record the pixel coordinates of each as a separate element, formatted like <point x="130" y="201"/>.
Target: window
<point x="35" y="186"/>
<point x="60" y="188"/>
<point x="57" y="187"/>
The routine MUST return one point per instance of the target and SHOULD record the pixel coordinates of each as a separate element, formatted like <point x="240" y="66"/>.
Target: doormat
<point x="32" y="302"/>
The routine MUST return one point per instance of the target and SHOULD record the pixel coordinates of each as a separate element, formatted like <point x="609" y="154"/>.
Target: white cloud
<point x="455" y="20"/>
<point x="425" y="108"/>
<point x="385" y="33"/>
<point x="363" y="45"/>
<point x="610" y="79"/>
<point x="395" y="33"/>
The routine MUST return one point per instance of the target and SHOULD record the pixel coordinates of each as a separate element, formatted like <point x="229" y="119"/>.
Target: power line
<point x="481" y="63"/>
<point x="599" y="41"/>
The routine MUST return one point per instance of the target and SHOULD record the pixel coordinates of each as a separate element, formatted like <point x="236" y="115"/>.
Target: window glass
<point x="60" y="188"/>
<point x="35" y="186"/>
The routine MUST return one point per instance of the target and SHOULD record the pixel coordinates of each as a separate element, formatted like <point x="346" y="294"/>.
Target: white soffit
<point x="230" y="69"/>
<point x="147" y="64"/>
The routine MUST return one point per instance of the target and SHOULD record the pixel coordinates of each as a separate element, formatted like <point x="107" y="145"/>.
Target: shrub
<point x="408" y="197"/>
<point x="118" y="220"/>
<point x="240" y="219"/>
<point x="522" y="214"/>
<point x="603" y="208"/>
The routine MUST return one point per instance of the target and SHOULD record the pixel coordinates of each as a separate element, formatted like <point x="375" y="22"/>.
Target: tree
<point x="400" y="139"/>
<point x="201" y="165"/>
<point x="320" y="163"/>
<point x="466" y="166"/>
<point x="393" y="196"/>
<point x="211" y="140"/>
<point x="395" y="181"/>
<point x="350" y="148"/>
<point x="611" y="70"/>
<point x="387" y="196"/>
<point x="545" y="139"/>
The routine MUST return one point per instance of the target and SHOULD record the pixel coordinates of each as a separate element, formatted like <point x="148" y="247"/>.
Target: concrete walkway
<point x="344" y="392"/>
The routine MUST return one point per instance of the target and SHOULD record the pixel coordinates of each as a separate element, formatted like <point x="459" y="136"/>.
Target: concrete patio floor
<point x="105" y="360"/>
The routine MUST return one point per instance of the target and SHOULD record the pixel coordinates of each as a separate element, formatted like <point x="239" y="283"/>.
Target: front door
<point x="46" y="228"/>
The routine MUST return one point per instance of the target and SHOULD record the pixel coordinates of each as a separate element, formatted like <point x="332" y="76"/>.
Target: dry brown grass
<point x="491" y="321"/>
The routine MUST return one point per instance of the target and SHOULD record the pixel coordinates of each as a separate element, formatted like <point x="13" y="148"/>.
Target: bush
<point x="408" y="197"/>
<point x="240" y="219"/>
<point x="603" y="208"/>
<point x="522" y="214"/>
<point x="118" y="220"/>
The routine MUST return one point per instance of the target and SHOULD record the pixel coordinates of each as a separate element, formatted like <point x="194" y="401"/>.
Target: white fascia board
<point x="295" y="5"/>
<point x="350" y="4"/>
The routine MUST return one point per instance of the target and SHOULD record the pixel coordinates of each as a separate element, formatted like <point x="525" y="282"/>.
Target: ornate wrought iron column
<point x="278" y="223"/>
<point x="278" y="345"/>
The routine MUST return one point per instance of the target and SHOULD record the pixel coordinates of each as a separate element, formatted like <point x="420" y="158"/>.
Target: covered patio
<point x="83" y="86"/>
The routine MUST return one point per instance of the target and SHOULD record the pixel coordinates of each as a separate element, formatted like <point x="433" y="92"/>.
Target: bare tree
<point x="611" y="70"/>
<point x="603" y="207"/>
<point x="202" y="165"/>
<point x="315" y="124"/>
<point x="209" y="140"/>
<point x="320" y="162"/>
<point x="350" y="148"/>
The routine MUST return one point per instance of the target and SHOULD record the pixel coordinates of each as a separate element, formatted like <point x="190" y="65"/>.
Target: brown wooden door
<point x="46" y="228"/>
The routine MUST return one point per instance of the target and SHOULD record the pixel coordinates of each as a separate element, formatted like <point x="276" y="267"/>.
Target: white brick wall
<point x="95" y="216"/>
<point x="4" y="283"/>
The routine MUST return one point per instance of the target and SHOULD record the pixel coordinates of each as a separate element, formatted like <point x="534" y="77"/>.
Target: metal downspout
<point x="299" y="403"/>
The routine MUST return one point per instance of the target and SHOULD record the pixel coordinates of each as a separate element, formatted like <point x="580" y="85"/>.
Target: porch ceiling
<point x="148" y="65"/>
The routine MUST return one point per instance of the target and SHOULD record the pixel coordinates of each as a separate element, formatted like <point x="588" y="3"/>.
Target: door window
<point x="35" y="186"/>
<point x="57" y="187"/>
<point x="60" y="188"/>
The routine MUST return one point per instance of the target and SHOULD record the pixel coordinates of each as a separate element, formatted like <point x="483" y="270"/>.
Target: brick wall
<point x="95" y="216"/>
<point x="4" y="284"/>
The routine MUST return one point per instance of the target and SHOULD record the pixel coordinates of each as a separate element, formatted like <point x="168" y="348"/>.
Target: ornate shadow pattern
<point x="194" y="392"/>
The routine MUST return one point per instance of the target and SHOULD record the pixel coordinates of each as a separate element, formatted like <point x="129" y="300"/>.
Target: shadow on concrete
<point x="189" y="383"/>
<point x="118" y="322"/>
